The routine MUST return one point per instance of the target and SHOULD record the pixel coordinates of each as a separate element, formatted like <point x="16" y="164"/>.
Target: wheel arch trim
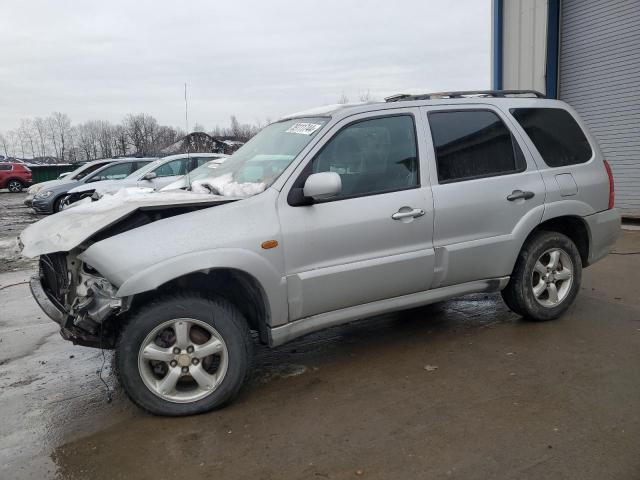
<point x="273" y="285"/>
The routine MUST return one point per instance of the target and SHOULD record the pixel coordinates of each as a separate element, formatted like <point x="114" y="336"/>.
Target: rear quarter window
<point x="556" y="134"/>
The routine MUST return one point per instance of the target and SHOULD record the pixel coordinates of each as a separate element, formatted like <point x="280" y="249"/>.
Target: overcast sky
<point x="255" y="59"/>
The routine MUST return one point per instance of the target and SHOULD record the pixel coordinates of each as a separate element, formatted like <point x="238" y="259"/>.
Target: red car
<point x="14" y="176"/>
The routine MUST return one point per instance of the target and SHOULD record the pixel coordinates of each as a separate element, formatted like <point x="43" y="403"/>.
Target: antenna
<point x="186" y="109"/>
<point x="186" y="124"/>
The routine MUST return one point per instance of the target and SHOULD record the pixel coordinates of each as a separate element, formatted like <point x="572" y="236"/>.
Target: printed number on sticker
<point x="303" y="128"/>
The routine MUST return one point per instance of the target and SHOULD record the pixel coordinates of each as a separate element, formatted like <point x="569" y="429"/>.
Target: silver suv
<point x="325" y="217"/>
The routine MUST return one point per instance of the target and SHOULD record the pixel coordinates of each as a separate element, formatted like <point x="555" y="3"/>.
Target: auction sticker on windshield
<point x="303" y="128"/>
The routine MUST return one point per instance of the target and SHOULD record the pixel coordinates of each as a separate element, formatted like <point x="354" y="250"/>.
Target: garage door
<point x="600" y="78"/>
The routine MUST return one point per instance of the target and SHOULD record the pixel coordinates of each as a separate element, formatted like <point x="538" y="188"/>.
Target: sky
<point x="258" y="60"/>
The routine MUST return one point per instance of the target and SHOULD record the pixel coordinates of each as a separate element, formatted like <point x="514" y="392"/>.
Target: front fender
<point x="273" y="284"/>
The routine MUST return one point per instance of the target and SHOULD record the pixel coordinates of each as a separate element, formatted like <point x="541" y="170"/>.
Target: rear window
<point x="5" y="167"/>
<point x="555" y="133"/>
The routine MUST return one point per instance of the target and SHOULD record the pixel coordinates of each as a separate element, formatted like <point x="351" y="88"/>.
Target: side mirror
<point x="62" y="175"/>
<point x="320" y="186"/>
<point x="150" y="176"/>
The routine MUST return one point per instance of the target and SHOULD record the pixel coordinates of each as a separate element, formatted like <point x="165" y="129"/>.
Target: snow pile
<point x="225" y="186"/>
<point x="139" y="195"/>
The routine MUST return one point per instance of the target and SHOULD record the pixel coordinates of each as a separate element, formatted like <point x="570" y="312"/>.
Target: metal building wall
<point x="524" y="44"/>
<point x="599" y="76"/>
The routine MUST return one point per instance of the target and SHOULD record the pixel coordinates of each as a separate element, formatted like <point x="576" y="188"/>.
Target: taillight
<point x="612" y="192"/>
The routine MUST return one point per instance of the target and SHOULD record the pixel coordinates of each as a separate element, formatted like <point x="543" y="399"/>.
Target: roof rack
<point x="465" y="94"/>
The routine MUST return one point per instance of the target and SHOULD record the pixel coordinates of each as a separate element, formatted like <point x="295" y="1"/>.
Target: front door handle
<point x="407" y="212"/>
<point x="518" y="194"/>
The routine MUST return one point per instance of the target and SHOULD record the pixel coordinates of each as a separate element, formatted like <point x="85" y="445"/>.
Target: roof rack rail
<point x="464" y="94"/>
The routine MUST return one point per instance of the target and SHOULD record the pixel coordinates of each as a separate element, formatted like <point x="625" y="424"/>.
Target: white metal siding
<point x="524" y="44"/>
<point x="600" y="78"/>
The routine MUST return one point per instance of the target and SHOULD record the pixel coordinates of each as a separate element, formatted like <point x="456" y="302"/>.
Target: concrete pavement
<point x="463" y="389"/>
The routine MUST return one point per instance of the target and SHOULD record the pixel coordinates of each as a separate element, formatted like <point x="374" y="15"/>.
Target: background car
<point x="155" y="175"/>
<point x="203" y="171"/>
<point x="14" y="176"/>
<point x="49" y="199"/>
<point x="75" y="175"/>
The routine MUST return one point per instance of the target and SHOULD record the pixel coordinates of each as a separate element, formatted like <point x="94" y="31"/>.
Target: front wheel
<point x="546" y="277"/>
<point x="184" y="355"/>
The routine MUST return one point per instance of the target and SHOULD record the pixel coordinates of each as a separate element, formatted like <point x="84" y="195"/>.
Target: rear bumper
<point x="604" y="230"/>
<point x="45" y="303"/>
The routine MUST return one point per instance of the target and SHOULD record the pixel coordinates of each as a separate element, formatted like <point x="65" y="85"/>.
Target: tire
<point x="57" y="203"/>
<point x="15" y="186"/>
<point x="142" y="379"/>
<point x="530" y="292"/>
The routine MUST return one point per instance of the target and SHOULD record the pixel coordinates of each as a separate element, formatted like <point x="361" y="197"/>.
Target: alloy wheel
<point x="14" y="186"/>
<point x="183" y="360"/>
<point x="552" y="277"/>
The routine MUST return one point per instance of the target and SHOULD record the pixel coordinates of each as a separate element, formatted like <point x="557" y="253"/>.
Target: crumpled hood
<point x="67" y="229"/>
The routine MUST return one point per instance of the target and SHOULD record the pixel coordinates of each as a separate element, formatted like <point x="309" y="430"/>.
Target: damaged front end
<point x="77" y="298"/>
<point x="71" y="292"/>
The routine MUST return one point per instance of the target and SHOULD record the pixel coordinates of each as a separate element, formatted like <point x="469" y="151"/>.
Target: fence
<point x="42" y="173"/>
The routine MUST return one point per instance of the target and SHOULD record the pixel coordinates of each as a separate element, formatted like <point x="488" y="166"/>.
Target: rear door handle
<point x="407" y="212"/>
<point x="518" y="194"/>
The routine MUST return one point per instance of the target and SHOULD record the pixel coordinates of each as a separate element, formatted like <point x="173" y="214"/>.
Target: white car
<point x="200" y="173"/>
<point x="155" y="175"/>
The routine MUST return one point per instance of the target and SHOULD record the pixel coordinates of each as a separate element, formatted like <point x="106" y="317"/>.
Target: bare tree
<point x="28" y="136"/>
<point x="53" y="136"/>
<point x="119" y="141"/>
<point x="139" y="134"/>
<point x="343" y="99"/>
<point x="40" y="126"/>
<point x="366" y="97"/>
<point x="62" y="132"/>
<point x="105" y="133"/>
<point x="5" y="145"/>
<point x="87" y="140"/>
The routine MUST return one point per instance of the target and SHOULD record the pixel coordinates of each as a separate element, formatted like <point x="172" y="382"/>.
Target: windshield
<point x="259" y="162"/>
<point x="206" y="170"/>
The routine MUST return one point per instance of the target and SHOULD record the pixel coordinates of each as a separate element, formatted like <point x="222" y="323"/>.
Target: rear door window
<point x="556" y="134"/>
<point x="473" y="144"/>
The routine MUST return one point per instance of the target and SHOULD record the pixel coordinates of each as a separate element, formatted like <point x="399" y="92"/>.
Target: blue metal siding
<point x="553" y="30"/>
<point x="498" y="34"/>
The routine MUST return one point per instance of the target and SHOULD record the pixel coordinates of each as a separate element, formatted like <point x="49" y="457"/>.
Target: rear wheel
<point x="184" y="355"/>
<point x="546" y="278"/>
<point x="15" y="186"/>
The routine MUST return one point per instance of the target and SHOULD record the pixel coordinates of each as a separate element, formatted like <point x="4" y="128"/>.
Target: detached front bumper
<point x="53" y="311"/>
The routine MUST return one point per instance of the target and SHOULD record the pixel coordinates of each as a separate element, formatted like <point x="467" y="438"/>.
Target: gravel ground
<point x="14" y="217"/>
